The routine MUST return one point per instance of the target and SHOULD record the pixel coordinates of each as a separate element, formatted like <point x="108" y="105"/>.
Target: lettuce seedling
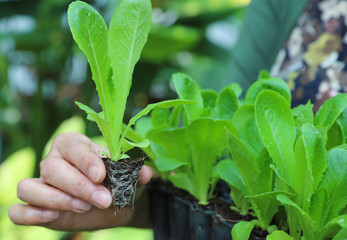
<point x="248" y="173"/>
<point x="315" y="175"/>
<point x="112" y="54"/>
<point x="189" y="140"/>
<point x="279" y="157"/>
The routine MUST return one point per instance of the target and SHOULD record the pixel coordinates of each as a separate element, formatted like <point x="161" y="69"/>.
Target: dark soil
<point x="121" y="179"/>
<point x="224" y="213"/>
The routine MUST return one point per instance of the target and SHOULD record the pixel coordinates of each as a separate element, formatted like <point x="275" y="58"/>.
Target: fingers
<point x="60" y="174"/>
<point x="22" y="214"/>
<point x="30" y="215"/>
<point x="145" y="175"/>
<point x="80" y="151"/>
<point x="35" y="192"/>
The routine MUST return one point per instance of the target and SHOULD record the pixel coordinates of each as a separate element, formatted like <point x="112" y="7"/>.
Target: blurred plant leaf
<point x="266" y="26"/>
<point x="17" y="166"/>
<point x="204" y="8"/>
<point x="163" y="42"/>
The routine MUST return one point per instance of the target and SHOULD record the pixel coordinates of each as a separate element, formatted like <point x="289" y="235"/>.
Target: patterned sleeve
<point x="314" y="58"/>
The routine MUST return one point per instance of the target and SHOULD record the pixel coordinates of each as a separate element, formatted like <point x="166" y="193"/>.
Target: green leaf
<point x="333" y="227"/>
<point x="89" y="30"/>
<point x="209" y="97"/>
<point x="244" y="121"/>
<point x="330" y="110"/>
<point x="228" y="171"/>
<point x="274" y="84"/>
<point x="242" y="115"/>
<point x="302" y="177"/>
<point x="188" y="89"/>
<point x="264" y="74"/>
<point x="175" y="116"/>
<point x="310" y="163"/>
<point x="245" y="162"/>
<point x="276" y="128"/>
<point x="242" y="230"/>
<point x="226" y="104"/>
<point x="335" y="182"/>
<point x="341" y="235"/>
<point x="207" y="139"/>
<point x="342" y="122"/>
<point x="173" y="143"/>
<point x="315" y="152"/>
<point x="335" y="136"/>
<point x="236" y="88"/>
<point x="142" y="126"/>
<point x="128" y="33"/>
<point x="265" y="179"/>
<point x="182" y="181"/>
<point x="273" y="20"/>
<point x="265" y="205"/>
<point x="103" y="124"/>
<point x="305" y="220"/>
<point x="164" y="164"/>
<point x="160" y="118"/>
<point x="163" y="104"/>
<point x="242" y="205"/>
<point x="250" y="136"/>
<point x="146" y="110"/>
<point x="318" y="209"/>
<point x="279" y="234"/>
<point x="303" y="114"/>
<point x="128" y="145"/>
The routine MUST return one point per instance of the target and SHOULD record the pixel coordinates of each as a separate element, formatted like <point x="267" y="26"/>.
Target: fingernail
<point x="102" y="199"/>
<point x="49" y="215"/>
<point x="94" y="173"/>
<point x="80" y="206"/>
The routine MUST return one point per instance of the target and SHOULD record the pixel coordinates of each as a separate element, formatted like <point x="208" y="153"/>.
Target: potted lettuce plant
<point x="275" y="156"/>
<point x="112" y="53"/>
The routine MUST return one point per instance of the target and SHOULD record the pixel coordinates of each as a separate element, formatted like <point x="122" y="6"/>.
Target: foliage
<point x="255" y="191"/>
<point x="273" y="20"/>
<point x="41" y="47"/>
<point x="297" y="169"/>
<point x="112" y="55"/>
<point x="200" y="126"/>
<point x="279" y="156"/>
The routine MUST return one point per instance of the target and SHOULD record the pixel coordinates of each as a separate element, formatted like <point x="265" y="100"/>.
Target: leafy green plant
<point x="112" y="54"/>
<point x="189" y="140"/>
<point x="311" y="168"/>
<point x="289" y="157"/>
<point x="293" y="168"/>
<point x="248" y="173"/>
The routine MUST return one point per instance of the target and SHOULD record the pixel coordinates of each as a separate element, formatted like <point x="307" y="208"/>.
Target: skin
<point x="69" y="194"/>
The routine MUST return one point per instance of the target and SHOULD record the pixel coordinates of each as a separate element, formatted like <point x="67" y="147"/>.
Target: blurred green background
<point x="42" y="73"/>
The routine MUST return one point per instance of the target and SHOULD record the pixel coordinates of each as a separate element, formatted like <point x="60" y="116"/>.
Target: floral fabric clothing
<point x="314" y="59"/>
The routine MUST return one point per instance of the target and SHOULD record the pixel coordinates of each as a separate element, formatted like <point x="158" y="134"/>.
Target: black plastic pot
<point x="159" y="210"/>
<point x="179" y="218"/>
<point x="174" y="217"/>
<point x="221" y="230"/>
<point x="200" y="222"/>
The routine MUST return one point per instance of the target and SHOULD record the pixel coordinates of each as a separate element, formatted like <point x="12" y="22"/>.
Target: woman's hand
<point x="69" y="195"/>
